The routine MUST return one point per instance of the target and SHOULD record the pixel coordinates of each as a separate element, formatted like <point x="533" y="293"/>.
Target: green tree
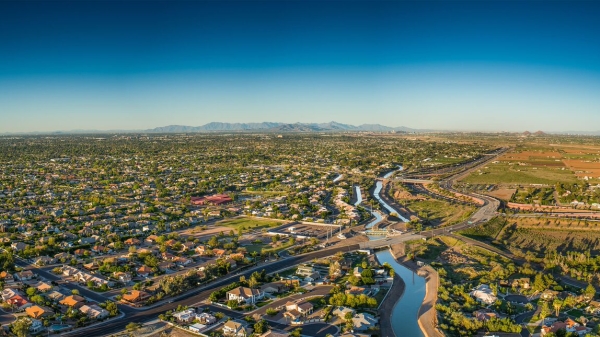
<point x="132" y="326"/>
<point x="112" y="308"/>
<point x="31" y="291"/>
<point x="21" y="327"/>
<point x="544" y="310"/>
<point x="590" y="291"/>
<point x="557" y="304"/>
<point x="261" y="327"/>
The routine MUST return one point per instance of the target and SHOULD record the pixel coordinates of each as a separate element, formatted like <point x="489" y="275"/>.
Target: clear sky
<point x="473" y="65"/>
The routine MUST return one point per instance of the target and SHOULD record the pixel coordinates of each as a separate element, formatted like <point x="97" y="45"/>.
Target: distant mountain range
<point x="281" y="127"/>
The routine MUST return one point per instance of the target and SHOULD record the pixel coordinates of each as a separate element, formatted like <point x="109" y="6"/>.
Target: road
<point x="563" y="278"/>
<point x="190" y="299"/>
<point x="71" y="286"/>
<point x="318" y="291"/>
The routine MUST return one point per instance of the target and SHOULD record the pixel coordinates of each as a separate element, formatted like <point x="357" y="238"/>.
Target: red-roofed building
<point x="217" y="199"/>
<point x="18" y="302"/>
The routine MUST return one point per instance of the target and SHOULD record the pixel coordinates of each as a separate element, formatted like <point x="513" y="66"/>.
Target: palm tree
<point x="557" y="304"/>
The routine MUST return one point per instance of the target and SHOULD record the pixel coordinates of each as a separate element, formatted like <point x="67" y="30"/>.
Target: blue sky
<point x="473" y="65"/>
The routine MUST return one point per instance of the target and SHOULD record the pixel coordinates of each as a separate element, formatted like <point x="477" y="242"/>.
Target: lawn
<point x="381" y="295"/>
<point x="440" y="211"/>
<point x="255" y="247"/>
<point x="503" y="172"/>
<point x="247" y="223"/>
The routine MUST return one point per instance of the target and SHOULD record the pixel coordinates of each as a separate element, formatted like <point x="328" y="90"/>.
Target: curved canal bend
<point x="406" y="310"/>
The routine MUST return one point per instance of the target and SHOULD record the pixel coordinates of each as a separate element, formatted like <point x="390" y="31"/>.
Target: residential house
<point x="243" y="294"/>
<point x="549" y="294"/>
<point x="357" y="291"/>
<point x="94" y="311"/>
<point x="18" y="302"/>
<point x="200" y="250"/>
<point x="305" y="270"/>
<point x="196" y="327"/>
<point x="151" y="238"/>
<point x="569" y="325"/>
<point x="35" y="326"/>
<point x="342" y="311"/>
<point x="593" y="308"/>
<point x="38" y="312"/>
<point x="236" y="329"/>
<point x="274" y="287"/>
<point x="302" y="307"/>
<point x="484" y="315"/>
<point x="8" y="278"/>
<point x="218" y="252"/>
<point x="25" y="275"/>
<point x="44" y="287"/>
<point x="523" y="282"/>
<point x="135" y="296"/>
<point x="144" y="271"/>
<point x="185" y="316"/>
<point x="484" y="294"/>
<point x="43" y="261"/>
<point x="9" y="293"/>
<point x="91" y="266"/>
<point x="55" y="296"/>
<point x="364" y="321"/>
<point x="206" y="318"/>
<point x="123" y="277"/>
<point x="73" y="301"/>
<point x="18" y="246"/>
<point x="132" y="242"/>
<point x="232" y="263"/>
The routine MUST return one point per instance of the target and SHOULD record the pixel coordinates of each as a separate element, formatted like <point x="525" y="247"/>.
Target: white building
<point x="484" y="294"/>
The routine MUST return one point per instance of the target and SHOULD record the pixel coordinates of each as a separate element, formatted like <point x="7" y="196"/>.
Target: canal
<point x="406" y="311"/>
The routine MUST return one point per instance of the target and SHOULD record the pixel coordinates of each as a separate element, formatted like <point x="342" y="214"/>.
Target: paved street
<point x="201" y="294"/>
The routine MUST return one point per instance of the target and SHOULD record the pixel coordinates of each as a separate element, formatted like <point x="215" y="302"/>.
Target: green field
<point x="248" y="223"/>
<point x="440" y="211"/>
<point x="516" y="174"/>
<point x="255" y="247"/>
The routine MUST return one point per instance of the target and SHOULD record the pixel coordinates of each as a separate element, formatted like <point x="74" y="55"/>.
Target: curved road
<point x="142" y="316"/>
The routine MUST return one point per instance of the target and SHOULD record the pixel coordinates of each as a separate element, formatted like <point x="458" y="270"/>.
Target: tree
<point x="21" y="327"/>
<point x="112" y="308"/>
<point x="31" y="291"/>
<point x="232" y="304"/>
<point x="213" y="242"/>
<point x="538" y="283"/>
<point x="132" y="326"/>
<point x="544" y="310"/>
<point x="261" y="326"/>
<point x="590" y="291"/>
<point x="75" y="292"/>
<point x="252" y="282"/>
<point x="557" y="304"/>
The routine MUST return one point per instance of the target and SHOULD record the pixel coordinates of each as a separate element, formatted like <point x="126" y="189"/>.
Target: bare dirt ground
<point x="211" y="231"/>
<point x="502" y="193"/>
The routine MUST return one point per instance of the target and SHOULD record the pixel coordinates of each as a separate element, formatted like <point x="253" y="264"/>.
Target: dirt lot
<point x="584" y="168"/>
<point x="503" y="193"/>
<point x="197" y="232"/>
<point x="530" y="155"/>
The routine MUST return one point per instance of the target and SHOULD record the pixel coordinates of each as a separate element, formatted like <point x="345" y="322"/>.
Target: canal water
<point x="406" y="311"/>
